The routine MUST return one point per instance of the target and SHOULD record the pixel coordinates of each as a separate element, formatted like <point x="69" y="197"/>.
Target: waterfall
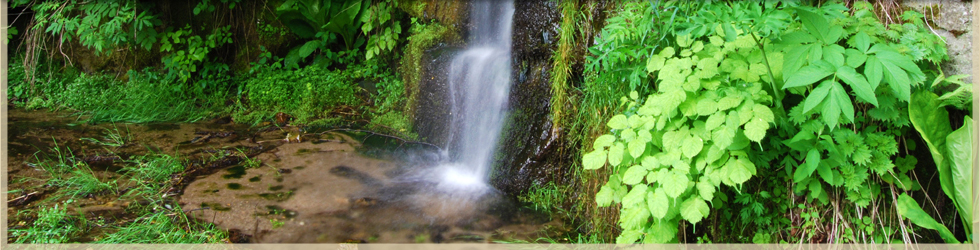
<point x="479" y="84"/>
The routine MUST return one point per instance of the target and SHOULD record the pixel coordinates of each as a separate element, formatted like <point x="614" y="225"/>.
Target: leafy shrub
<point x="720" y="88"/>
<point x="308" y="92"/>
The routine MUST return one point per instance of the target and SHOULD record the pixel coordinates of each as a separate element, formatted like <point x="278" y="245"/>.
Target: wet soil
<point x="330" y="186"/>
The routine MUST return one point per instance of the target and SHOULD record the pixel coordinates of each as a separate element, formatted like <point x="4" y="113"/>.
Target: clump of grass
<point x="82" y="182"/>
<point x="74" y="177"/>
<point x="546" y="198"/>
<point x="53" y="226"/>
<point x="165" y="227"/>
<point x="153" y="169"/>
<point x="146" y="97"/>
<point x="561" y="60"/>
<point x="112" y="138"/>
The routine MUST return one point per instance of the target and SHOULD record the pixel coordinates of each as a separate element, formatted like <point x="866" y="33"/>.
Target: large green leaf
<point x="932" y="123"/>
<point x="657" y="203"/>
<point x="617" y="122"/>
<point x="616" y="153"/>
<point x="808" y="75"/>
<point x="959" y="148"/>
<point x="634" y="175"/>
<point x="858" y="83"/>
<point x="817" y="96"/>
<point x="815" y="24"/>
<point x="308" y="48"/>
<point x="806" y="169"/>
<point x="910" y="209"/>
<point x="636" y="196"/>
<point x="694" y="209"/>
<point x="594" y="160"/>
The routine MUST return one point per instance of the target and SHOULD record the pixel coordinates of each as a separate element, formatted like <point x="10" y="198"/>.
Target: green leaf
<point x="594" y="160"/>
<point x="634" y="217"/>
<point x="616" y="154"/>
<point x="832" y="107"/>
<point x="655" y="63"/>
<point x="834" y="54"/>
<point x="857" y="82"/>
<point x="932" y="123"/>
<point x="650" y="163"/>
<point x="692" y="146"/>
<point x="740" y="170"/>
<point x="959" y="154"/>
<point x="617" y="122"/>
<point x="755" y="129"/>
<point x="629" y="236"/>
<point x="897" y="79"/>
<point x="806" y="169"/>
<point x="855" y="58"/>
<point x="706" y="190"/>
<point x="603" y="141"/>
<point x="657" y="203"/>
<point x="860" y="41"/>
<point x="635" y="196"/>
<point x="815" y="24"/>
<point x="674" y="183"/>
<point x="714" y="121"/>
<point x="604" y="197"/>
<point x="817" y="96"/>
<point x="827" y="174"/>
<point x="634" y="175"/>
<point x="762" y="112"/>
<point x="807" y="75"/>
<point x="873" y="70"/>
<point x="724" y="135"/>
<point x="694" y="209"/>
<point x="636" y="148"/>
<point x="910" y="209"/>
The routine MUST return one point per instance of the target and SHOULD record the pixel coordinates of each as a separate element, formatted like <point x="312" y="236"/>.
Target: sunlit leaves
<point x="694" y="209"/>
<point x="858" y="83"/>
<point x="617" y="122"/>
<point x="808" y="75"/>
<point x="657" y="203"/>
<point x="594" y="160"/>
<point x="616" y="153"/>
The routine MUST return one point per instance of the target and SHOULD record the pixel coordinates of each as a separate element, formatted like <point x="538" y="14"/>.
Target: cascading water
<point x="479" y="84"/>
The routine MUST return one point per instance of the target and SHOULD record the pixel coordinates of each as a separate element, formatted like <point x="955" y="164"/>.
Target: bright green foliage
<point x="381" y="28"/>
<point x="165" y="228"/>
<point x="100" y="25"/>
<point x="951" y="150"/>
<point x="689" y="137"/>
<point x="324" y="21"/>
<point x="188" y="52"/>
<point x="309" y="93"/>
<point x="910" y="209"/>
<point x="721" y="82"/>
<point x="53" y="226"/>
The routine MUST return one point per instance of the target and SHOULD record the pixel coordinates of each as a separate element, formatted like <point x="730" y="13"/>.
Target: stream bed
<point x="262" y="185"/>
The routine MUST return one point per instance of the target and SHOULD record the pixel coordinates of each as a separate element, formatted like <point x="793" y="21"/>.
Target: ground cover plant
<point x="820" y="97"/>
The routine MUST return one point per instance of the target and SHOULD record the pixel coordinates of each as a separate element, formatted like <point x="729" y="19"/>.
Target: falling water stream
<point x="479" y="83"/>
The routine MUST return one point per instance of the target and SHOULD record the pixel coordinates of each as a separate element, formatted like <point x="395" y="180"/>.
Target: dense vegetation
<point x="776" y="122"/>
<point x="721" y="121"/>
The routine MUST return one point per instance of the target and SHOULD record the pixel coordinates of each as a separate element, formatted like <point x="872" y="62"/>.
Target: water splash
<point x="479" y="84"/>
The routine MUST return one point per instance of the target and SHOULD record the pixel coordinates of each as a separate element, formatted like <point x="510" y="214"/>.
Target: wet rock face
<point x="953" y="19"/>
<point x="528" y="151"/>
<point x="433" y="117"/>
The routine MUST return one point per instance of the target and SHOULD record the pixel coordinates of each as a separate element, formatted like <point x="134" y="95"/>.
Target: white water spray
<point x="479" y="84"/>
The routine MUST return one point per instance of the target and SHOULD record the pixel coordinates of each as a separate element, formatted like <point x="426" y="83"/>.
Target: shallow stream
<point x="330" y="186"/>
